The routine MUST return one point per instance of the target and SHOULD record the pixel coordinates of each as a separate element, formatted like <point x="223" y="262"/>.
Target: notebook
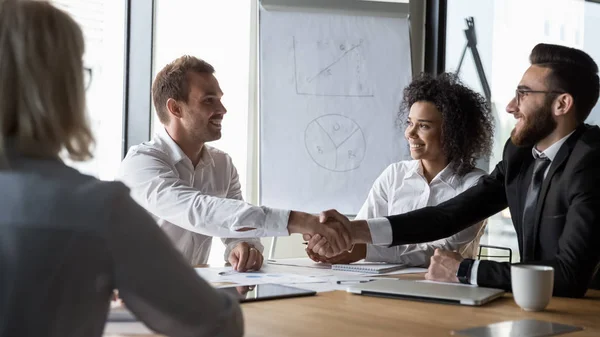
<point x="368" y="267"/>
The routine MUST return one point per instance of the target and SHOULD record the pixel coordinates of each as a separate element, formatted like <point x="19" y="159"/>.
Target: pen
<point x="304" y="243"/>
<point x="352" y="281"/>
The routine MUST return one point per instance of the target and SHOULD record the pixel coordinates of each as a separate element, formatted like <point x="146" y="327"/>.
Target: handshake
<point x="330" y="233"/>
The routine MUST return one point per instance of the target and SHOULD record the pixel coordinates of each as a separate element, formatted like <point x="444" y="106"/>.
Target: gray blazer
<point x="67" y="240"/>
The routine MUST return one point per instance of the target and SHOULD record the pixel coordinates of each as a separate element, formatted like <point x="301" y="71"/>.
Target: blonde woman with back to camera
<point x="66" y="239"/>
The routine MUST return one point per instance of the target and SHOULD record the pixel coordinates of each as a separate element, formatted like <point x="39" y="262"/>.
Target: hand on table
<point x="443" y="266"/>
<point x="244" y="257"/>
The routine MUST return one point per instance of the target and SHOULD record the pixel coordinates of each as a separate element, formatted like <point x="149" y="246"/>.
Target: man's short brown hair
<point x="172" y="82"/>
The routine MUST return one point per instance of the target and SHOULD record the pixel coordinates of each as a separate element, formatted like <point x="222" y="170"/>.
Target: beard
<point x="537" y="126"/>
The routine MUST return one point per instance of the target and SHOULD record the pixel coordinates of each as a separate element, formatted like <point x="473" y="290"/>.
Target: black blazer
<point x="566" y="234"/>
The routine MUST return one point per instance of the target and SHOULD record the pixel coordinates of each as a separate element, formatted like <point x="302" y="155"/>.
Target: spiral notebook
<point x="369" y="267"/>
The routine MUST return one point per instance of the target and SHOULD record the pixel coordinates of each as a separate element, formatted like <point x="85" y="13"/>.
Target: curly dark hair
<point x="467" y="121"/>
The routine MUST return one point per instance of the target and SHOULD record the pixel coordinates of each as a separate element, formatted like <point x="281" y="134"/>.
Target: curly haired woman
<point x="448" y="127"/>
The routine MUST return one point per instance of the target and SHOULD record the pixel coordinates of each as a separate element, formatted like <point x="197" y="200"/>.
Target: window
<point x="219" y="33"/>
<point x="506" y="31"/>
<point x="103" y="26"/>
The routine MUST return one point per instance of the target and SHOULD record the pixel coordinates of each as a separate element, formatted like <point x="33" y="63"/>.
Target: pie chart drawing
<point x="335" y="143"/>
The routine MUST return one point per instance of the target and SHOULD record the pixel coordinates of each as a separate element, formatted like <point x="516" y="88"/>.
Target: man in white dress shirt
<point x="193" y="189"/>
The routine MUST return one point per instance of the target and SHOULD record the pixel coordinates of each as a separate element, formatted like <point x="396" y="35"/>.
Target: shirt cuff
<point x="276" y="221"/>
<point x="381" y="231"/>
<point x="371" y="255"/>
<point x="474" y="269"/>
<point x="380" y="254"/>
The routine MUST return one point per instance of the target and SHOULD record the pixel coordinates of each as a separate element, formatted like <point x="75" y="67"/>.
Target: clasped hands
<point x="333" y="238"/>
<point x="329" y="234"/>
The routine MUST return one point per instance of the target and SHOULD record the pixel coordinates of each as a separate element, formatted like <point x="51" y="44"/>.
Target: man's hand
<point x="334" y="237"/>
<point x="359" y="229"/>
<point x="357" y="253"/>
<point x="244" y="257"/>
<point x="359" y="233"/>
<point x="443" y="267"/>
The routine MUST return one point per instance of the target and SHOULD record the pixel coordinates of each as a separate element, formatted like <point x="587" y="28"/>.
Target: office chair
<point x="479" y="254"/>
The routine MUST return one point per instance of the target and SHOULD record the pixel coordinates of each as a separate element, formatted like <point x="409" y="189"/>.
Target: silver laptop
<point x="427" y="291"/>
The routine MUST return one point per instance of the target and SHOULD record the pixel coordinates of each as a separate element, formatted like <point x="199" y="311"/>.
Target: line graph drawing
<point x="328" y="68"/>
<point x="331" y="68"/>
<point x="335" y="143"/>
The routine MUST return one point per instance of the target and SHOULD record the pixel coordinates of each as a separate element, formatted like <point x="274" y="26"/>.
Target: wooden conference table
<point x="338" y="313"/>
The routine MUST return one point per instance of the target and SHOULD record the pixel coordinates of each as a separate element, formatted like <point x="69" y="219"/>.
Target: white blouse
<point x="402" y="188"/>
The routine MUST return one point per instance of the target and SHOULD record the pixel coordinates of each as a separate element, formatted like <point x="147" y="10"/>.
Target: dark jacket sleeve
<point x="155" y="281"/>
<point x="448" y="218"/>
<point x="578" y="251"/>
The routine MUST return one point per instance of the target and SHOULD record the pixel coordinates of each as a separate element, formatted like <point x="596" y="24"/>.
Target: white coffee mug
<point x="532" y="286"/>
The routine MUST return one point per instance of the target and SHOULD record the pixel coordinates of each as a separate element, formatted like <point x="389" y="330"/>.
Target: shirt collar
<point x="206" y="158"/>
<point x="552" y="150"/>
<point x="177" y="154"/>
<point x="447" y="175"/>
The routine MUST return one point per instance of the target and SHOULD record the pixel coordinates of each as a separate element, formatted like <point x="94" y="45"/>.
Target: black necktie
<point x="537" y="178"/>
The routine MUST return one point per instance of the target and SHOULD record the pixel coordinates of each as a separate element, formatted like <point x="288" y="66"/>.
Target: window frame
<point x="137" y="100"/>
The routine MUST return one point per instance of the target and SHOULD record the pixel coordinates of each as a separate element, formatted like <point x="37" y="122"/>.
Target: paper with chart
<point x="265" y="275"/>
<point x="331" y="85"/>
<point x="317" y="279"/>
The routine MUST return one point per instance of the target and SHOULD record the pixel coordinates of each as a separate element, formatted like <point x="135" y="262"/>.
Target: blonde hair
<point x="172" y="82"/>
<point x="42" y="93"/>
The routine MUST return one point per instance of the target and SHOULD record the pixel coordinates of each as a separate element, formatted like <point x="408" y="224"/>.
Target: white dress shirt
<point x="402" y="188"/>
<point x="549" y="153"/>
<point x="192" y="204"/>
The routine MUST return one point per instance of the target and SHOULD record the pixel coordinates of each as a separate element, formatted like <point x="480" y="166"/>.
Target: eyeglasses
<point x="519" y="93"/>
<point x="87" y="77"/>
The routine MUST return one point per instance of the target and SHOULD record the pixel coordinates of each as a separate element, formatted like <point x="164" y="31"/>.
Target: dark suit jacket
<point x="566" y="232"/>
